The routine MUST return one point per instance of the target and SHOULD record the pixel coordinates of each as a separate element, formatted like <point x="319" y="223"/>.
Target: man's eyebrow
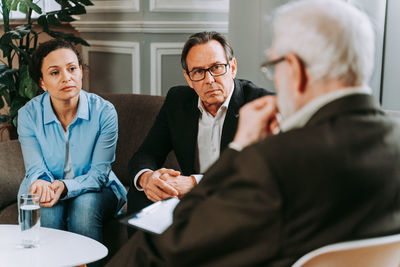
<point x="212" y="64"/>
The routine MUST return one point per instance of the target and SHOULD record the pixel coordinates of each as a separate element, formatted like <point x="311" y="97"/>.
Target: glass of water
<point x="29" y="219"/>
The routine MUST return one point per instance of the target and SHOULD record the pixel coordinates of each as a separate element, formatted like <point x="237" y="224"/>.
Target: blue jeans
<point x="84" y="214"/>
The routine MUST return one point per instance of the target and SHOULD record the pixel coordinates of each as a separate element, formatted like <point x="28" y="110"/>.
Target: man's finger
<point x="173" y="172"/>
<point x="152" y="196"/>
<point x="156" y="194"/>
<point x="164" y="186"/>
<point x="162" y="195"/>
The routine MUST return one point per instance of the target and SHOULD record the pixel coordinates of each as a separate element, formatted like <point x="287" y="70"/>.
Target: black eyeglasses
<point x="268" y="68"/>
<point x="196" y="75"/>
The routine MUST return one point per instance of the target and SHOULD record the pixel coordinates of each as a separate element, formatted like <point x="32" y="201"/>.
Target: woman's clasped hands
<point x="49" y="192"/>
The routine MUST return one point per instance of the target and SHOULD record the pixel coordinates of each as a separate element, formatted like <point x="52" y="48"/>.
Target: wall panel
<point x="158" y="28"/>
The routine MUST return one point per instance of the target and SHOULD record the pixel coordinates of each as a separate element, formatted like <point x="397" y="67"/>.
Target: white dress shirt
<point x="208" y="138"/>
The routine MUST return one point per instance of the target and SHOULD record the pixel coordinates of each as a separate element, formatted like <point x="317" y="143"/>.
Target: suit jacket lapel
<point x="191" y="126"/>
<point x="232" y="116"/>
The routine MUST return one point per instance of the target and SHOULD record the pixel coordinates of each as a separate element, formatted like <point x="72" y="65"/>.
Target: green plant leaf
<point x="6" y="50"/>
<point x="42" y="20"/>
<point x="7" y="38"/>
<point x="9" y="3"/>
<point x="17" y="103"/>
<point x="22" y="30"/>
<point x="26" y="87"/>
<point x="6" y="95"/>
<point x="7" y="80"/>
<point x="64" y="16"/>
<point x="14" y="4"/>
<point x="4" y="118"/>
<point x="68" y="36"/>
<point x="78" y="10"/>
<point x="1" y="102"/>
<point x="5" y="72"/>
<point x="33" y="6"/>
<point x="64" y="4"/>
<point x="52" y="20"/>
<point x="86" y="2"/>
<point x="3" y="68"/>
<point x="23" y="8"/>
<point x="15" y="121"/>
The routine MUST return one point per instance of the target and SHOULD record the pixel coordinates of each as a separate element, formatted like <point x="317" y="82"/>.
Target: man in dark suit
<point x="331" y="174"/>
<point x="197" y="122"/>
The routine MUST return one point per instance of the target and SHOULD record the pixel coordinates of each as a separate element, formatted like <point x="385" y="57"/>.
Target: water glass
<point x="29" y="219"/>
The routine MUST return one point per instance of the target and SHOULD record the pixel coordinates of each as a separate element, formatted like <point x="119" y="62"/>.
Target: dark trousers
<point x="137" y="200"/>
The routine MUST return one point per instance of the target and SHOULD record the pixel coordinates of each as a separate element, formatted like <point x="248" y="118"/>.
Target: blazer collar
<point x="348" y="104"/>
<point x="237" y="99"/>
<point x="232" y="115"/>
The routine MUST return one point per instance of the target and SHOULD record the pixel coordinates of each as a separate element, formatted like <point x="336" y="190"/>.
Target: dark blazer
<point x="336" y="179"/>
<point x="175" y="129"/>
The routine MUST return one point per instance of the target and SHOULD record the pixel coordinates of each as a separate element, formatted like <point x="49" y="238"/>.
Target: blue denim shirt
<point x="92" y="141"/>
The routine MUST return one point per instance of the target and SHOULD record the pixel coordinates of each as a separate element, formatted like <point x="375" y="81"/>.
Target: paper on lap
<point x="155" y="218"/>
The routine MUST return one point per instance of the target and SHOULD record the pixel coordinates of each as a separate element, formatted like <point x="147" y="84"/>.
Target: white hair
<point x="334" y="39"/>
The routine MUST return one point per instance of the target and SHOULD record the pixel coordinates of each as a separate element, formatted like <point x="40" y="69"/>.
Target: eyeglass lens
<point x="200" y="74"/>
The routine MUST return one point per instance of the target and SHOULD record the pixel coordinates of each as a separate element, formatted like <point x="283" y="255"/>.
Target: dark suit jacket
<point x="336" y="179"/>
<point x="175" y="129"/>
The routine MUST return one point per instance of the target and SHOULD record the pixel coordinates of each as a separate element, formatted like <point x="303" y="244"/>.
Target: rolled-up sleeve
<point x="102" y="157"/>
<point x="33" y="157"/>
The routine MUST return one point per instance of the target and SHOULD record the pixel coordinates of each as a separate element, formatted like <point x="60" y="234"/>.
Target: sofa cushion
<point x="136" y="115"/>
<point x="12" y="171"/>
<point x="9" y="215"/>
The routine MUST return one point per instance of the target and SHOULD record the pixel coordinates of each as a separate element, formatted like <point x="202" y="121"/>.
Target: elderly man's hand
<point x="181" y="183"/>
<point x="155" y="188"/>
<point x="257" y="120"/>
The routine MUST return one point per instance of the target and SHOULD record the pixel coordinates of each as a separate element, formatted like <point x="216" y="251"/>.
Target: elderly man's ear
<point x="297" y="72"/>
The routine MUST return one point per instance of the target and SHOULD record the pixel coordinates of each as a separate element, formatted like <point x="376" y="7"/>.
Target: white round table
<point x="57" y="248"/>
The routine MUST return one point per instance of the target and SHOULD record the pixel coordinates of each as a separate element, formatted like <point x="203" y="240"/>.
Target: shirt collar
<point x="303" y="115"/>
<point x="223" y="106"/>
<point x="50" y="116"/>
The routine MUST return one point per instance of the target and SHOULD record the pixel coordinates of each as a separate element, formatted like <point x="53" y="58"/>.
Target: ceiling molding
<point x="114" y="6"/>
<point x="189" y="6"/>
<point x="150" y="26"/>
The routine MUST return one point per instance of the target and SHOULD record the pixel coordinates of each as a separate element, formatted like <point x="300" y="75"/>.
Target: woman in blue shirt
<point x="68" y="139"/>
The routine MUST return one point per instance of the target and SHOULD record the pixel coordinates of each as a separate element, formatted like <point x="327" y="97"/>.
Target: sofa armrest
<point x="12" y="171"/>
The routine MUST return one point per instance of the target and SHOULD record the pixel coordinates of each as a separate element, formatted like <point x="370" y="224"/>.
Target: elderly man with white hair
<point x="329" y="173"/>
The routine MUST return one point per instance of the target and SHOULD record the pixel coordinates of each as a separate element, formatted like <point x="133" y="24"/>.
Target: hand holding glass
<point x="29" y="219"/>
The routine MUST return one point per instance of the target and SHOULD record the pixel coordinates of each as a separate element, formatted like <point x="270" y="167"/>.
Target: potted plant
<point x="17" y="44"/>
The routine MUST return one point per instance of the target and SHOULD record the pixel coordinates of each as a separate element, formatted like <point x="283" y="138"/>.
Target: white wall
<point x="391" y="78"/>
<point x="250" y="34"/>
<point x="136" y="44"/>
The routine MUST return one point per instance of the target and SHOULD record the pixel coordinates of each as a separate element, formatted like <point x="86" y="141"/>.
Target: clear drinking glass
<point x="29" y="219"/>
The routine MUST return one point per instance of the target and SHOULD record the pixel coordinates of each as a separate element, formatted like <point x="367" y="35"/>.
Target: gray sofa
<point x="136" y="114"/>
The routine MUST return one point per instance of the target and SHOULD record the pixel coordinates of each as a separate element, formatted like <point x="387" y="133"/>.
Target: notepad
<point x="155" y="218"/>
